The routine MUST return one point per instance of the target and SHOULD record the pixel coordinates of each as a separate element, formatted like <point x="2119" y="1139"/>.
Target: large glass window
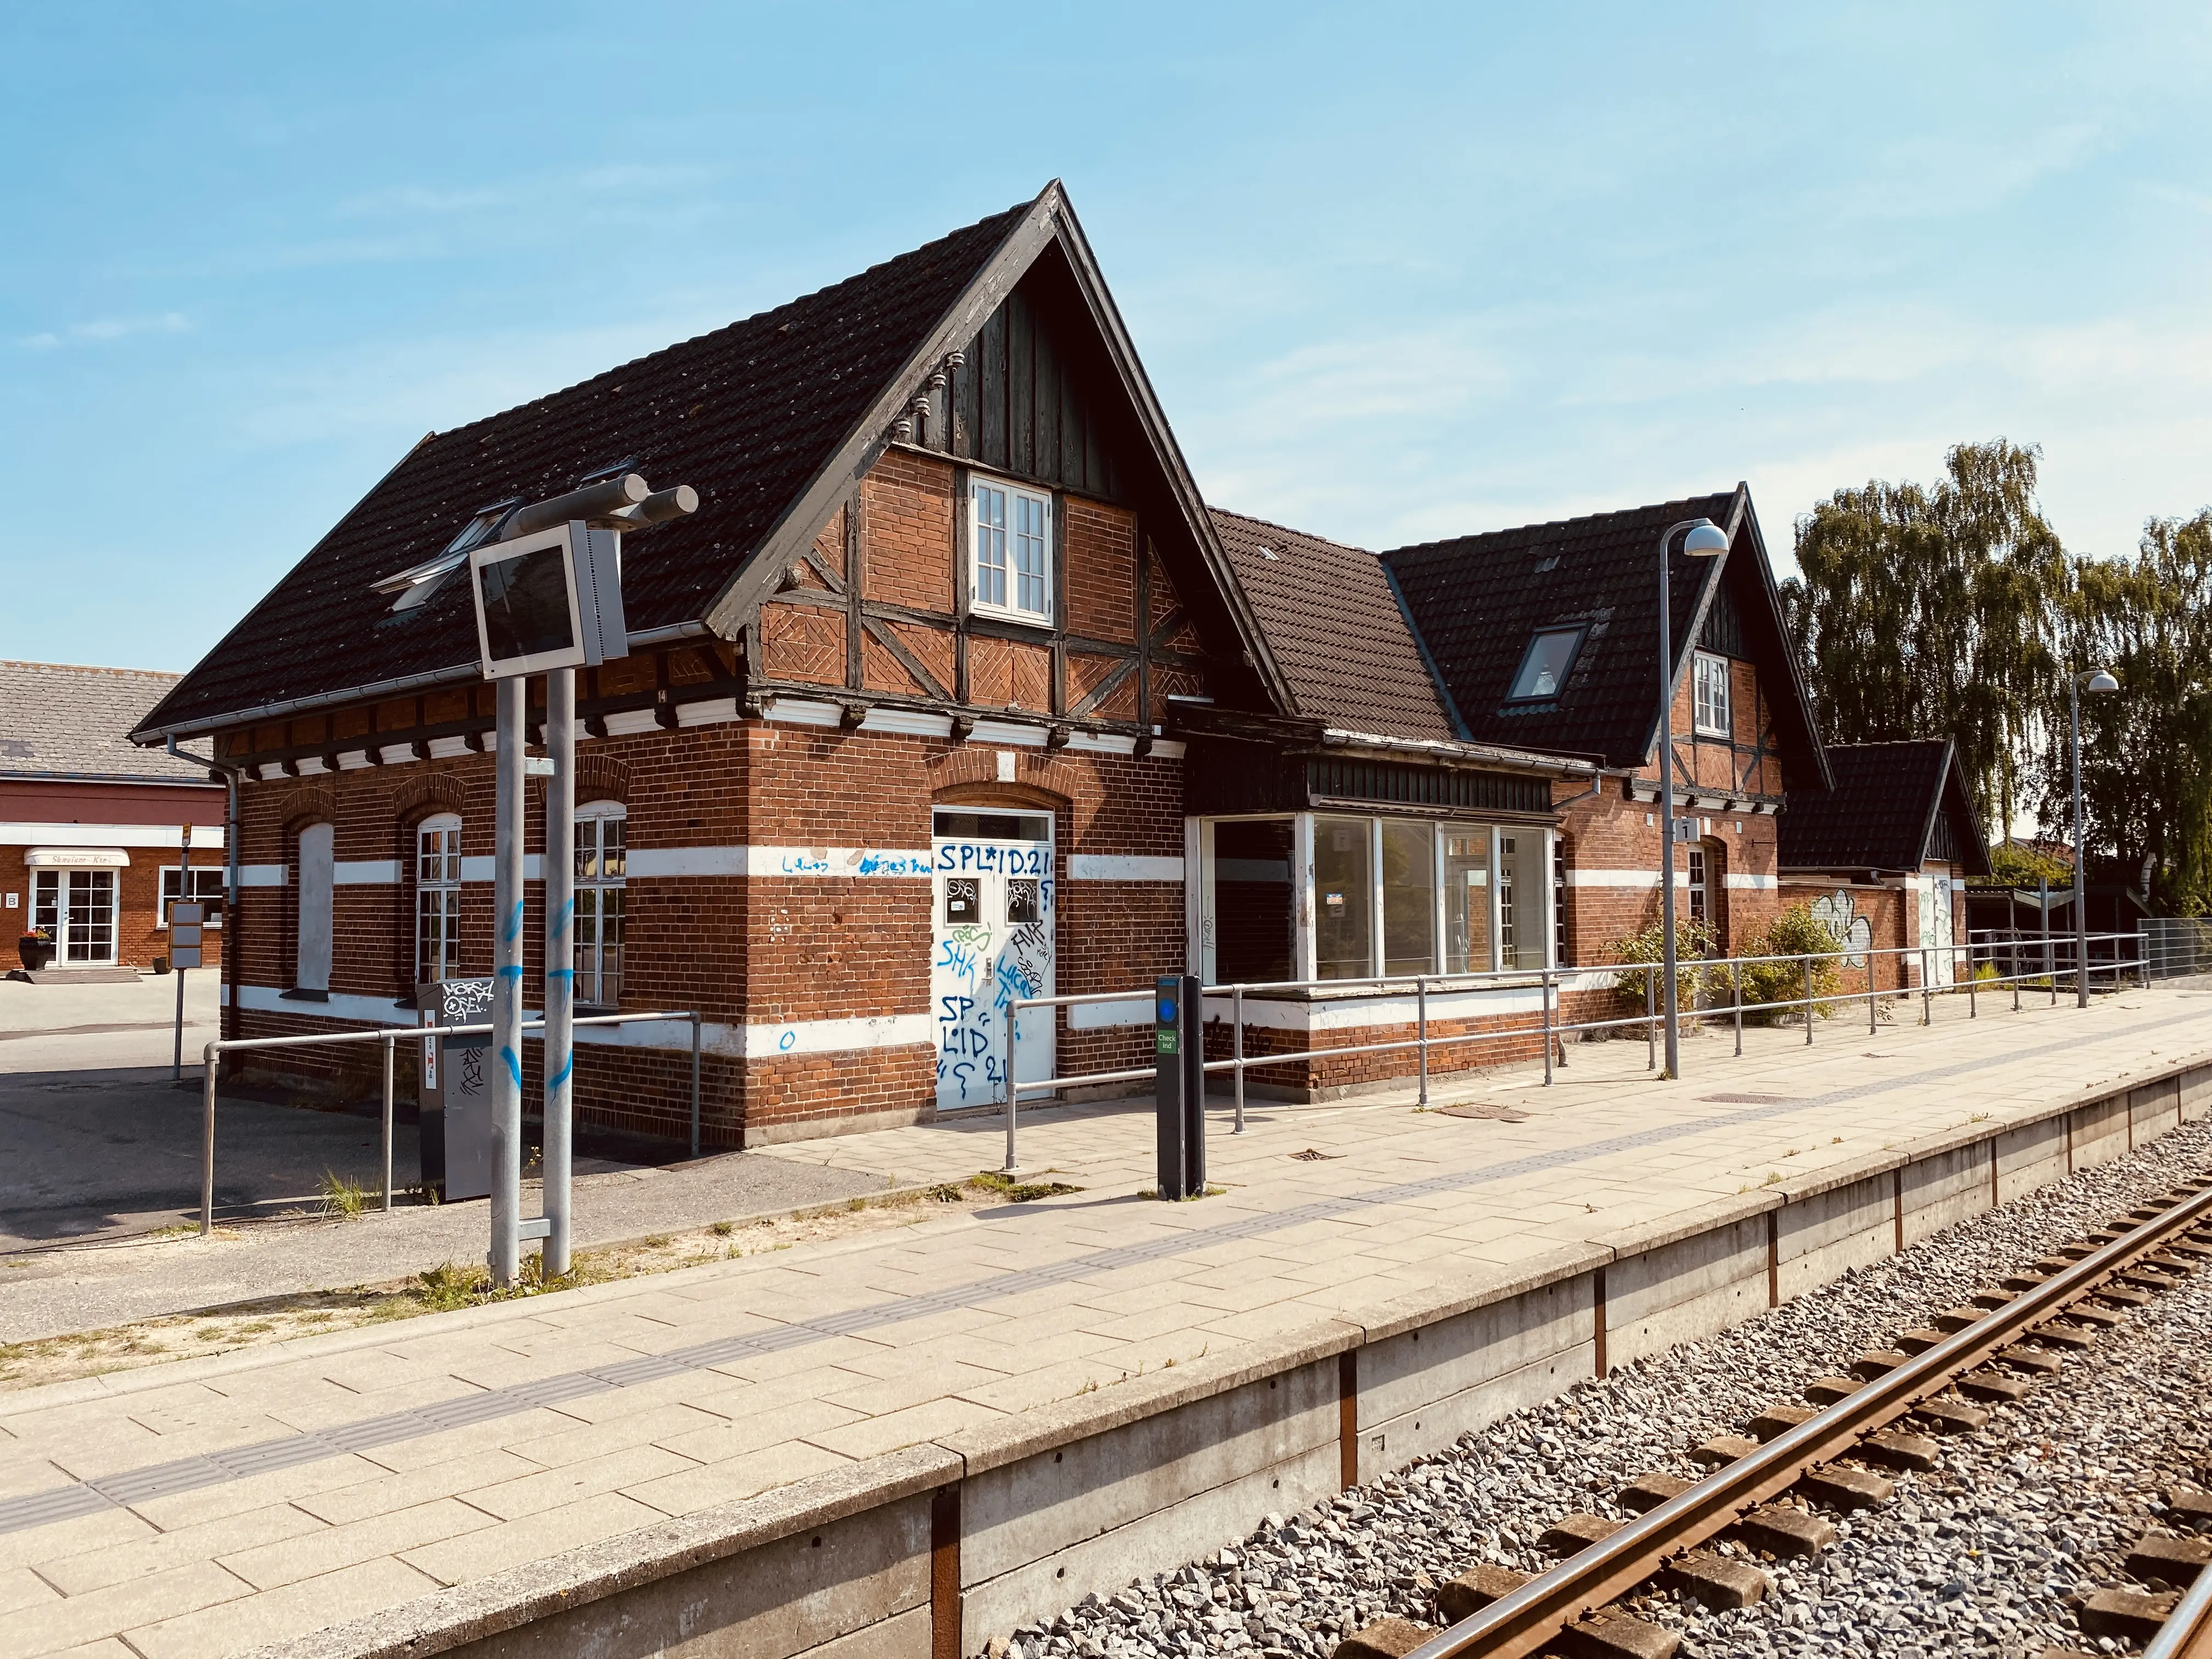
<point x="437" y="898"/>
<point x="602" y="870"/>
<point x="1522" y="881"/>
<point x="1466" y="900"/>
<point x="1253" y="902"/>
<point x="206" y="888"/>
<point x="1409" y="897"/>
<point x="1343" y="899"/>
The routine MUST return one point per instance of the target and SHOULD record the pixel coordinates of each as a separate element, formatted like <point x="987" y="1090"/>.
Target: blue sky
<point x="1397" y="272"/>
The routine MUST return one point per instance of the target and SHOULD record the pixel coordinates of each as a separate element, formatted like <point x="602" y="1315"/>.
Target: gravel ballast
<point x="1979" y="1555"/>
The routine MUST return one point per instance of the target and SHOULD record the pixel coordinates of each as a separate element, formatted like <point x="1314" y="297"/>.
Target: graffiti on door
<point x="992" y="943"/>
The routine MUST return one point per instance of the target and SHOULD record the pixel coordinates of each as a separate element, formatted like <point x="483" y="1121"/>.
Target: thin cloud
<point x="102" y="329"/>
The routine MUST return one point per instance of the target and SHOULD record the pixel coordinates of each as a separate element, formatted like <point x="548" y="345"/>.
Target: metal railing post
<point x="2015" y="955"/>
<point x="390" y="1041"/>
<point x="1874" y="991"/>
<point x="1651" y="1019"/>
<point x="1236" y="1050"/>
<point x="1808" y="1001"/>
<point x="1926" y="992"/>
<point x="694" y="1083"/>
<point x="206" y="1144"/>
<point x="1421" y="1032"/>
<point x="1973" y="1009"/>
<point x="1545" y="992"/>
<point x="1735" y="977"/>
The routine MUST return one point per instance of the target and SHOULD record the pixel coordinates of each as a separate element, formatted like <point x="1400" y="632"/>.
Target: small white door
<point x="992" y="899"/>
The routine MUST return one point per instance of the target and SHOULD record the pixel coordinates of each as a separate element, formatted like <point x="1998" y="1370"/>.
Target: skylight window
<point x="417" y="583"/>
<point x="1544" y="671"/>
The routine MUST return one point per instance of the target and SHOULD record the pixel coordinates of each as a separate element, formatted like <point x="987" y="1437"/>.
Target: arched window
<point x="601" y="867"/>
<point x="311" y="969"/>
<point x="437" y="897"/>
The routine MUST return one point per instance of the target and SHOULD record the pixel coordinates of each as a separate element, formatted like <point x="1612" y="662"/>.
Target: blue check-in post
<point x="1179" y="1085"/>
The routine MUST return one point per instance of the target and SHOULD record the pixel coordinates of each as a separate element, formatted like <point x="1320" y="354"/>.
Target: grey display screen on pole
<point x="525" y="598"/>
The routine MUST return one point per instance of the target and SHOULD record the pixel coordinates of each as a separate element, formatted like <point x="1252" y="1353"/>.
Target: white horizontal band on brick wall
<point x="1105" y="1016"/>
<point x="1756" y="884"/>
<point x="894" y="862"/>
<point x="753" y="1041"/>
<point x="105" y="834"/>
<point x="800" y="711"/>
<point x="630" y="722"/>
<point x="260" y="875"/>
<point x="365" y="872"/>
<point x="908" y="723"/>
<point x="1106" y="866"/>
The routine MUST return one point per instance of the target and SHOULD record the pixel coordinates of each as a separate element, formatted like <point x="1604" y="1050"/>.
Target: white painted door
<point x="992" y="899"/>
<point x="77" y="907"/>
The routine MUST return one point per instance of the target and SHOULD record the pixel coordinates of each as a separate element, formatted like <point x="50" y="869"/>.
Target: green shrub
<point x="1694" y="943"/>
<point x="1795" y="932"/>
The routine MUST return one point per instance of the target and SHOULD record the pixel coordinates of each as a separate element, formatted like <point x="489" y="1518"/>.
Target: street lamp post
<point x="2099" y="681"/>
<point x="1705" y="540"/>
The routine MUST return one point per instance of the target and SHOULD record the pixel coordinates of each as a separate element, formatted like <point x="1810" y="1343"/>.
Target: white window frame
<point x="447" y="882"/>
<point x="163" y="898"/>
<point x="590" y="957"/>
<point x="1005" y="540"/>
<point x="1712" y="715"/>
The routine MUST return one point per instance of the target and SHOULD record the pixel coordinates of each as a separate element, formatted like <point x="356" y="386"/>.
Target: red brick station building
<point x="955" y="688"/>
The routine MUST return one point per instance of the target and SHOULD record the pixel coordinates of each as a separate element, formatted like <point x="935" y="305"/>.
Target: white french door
<point x="77" y="907"/>
<point x="991" y="893"/>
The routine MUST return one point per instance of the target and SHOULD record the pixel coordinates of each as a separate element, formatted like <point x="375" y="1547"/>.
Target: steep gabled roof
<point x="1335" y="625"/>
<point x="68" y="722"/>
<point x="769" y="419"/>
<point x="1477" y="601"/>
<point x="1894" y="806"/>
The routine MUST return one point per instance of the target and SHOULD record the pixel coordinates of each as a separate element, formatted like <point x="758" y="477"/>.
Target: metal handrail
<point x="390" y="1038"/>
<point x="1550" y="982"/>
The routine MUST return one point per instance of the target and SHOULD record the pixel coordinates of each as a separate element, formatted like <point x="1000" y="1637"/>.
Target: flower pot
<point x="36" y="953"/>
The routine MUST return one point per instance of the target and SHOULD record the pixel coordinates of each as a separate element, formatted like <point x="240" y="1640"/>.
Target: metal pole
<point x="1013" y="1164"/>
<point x="2015" y="965"/>
<point x="1650" y="1022"/>
<point x="1972" y="1009"/>
<point x="2081" y="866"/>
<point x="560" y="1045"/>
<point x="1927" y="996"/>
<point x="184" y="892"/>
<point x="1808" y="1001"/>
<point x="1236" y="1050"/>
<point x="1735" y="974"/>
<point x="1872" y="994"/>
<point x="2049" y="979"/>
<point x="1666" y="810"/>
<point x="1546" y="993"/>
<point x="207" y="1146"/>
<point x="388" y="1043"/>
<point x="694" y="1083"/>
<point x="506" y="1256"/>
<point x="1421" y="1019"/>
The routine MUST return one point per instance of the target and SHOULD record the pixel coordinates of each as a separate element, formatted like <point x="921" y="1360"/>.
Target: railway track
<point x="1767" y="1491"/>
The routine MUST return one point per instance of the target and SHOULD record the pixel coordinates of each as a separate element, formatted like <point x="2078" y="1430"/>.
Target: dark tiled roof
<point x="1893" y="805"/>
<point x="61" y="720"/>
<point x="747" y="416"/>
<point x="1476" y="602"/>
<point x="1335" y="626"/>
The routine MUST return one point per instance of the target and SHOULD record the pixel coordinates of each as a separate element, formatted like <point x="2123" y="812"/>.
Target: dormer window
<point x="1544" y="669"/>
<point x="1712" y="695"/>
<point x="1010" y="550"/>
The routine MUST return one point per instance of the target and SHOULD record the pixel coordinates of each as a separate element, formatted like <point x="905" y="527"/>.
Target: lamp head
<point x="2100" y="681"/>
<point x="1705" y="540"/>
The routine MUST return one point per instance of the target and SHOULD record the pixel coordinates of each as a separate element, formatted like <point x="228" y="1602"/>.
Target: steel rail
<point x="2187" y="1631"/>
<point x="1533" y="1617"/>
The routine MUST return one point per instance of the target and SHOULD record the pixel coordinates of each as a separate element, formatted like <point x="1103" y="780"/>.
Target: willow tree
<point x="2146" y="751"/>
<point x="1928" y="612"/>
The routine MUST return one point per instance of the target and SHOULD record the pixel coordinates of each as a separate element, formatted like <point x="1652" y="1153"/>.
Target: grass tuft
<point x="345" y="1198"/>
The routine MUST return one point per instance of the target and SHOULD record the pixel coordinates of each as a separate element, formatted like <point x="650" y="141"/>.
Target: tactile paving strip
<point x="214" y="1468"/>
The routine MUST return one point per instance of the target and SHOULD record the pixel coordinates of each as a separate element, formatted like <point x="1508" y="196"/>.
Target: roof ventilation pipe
<point x="623" y="504"/>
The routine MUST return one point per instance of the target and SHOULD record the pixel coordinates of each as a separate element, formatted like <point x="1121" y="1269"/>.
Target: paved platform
<point x="211" y="1506"/>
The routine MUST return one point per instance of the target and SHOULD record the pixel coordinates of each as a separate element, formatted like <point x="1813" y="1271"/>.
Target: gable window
<point x="602" y="872"/>
<point x="437" y="898"/>
<point x="1712" y="694"/>
<point x="1544" y="669"/>
<point x="1010" y="550"/>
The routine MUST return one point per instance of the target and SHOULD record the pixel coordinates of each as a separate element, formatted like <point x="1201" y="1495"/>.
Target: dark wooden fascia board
<point x="1770" y="613"/>
<point x="803" y="518"/>
<point x="1167" y="454"/>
